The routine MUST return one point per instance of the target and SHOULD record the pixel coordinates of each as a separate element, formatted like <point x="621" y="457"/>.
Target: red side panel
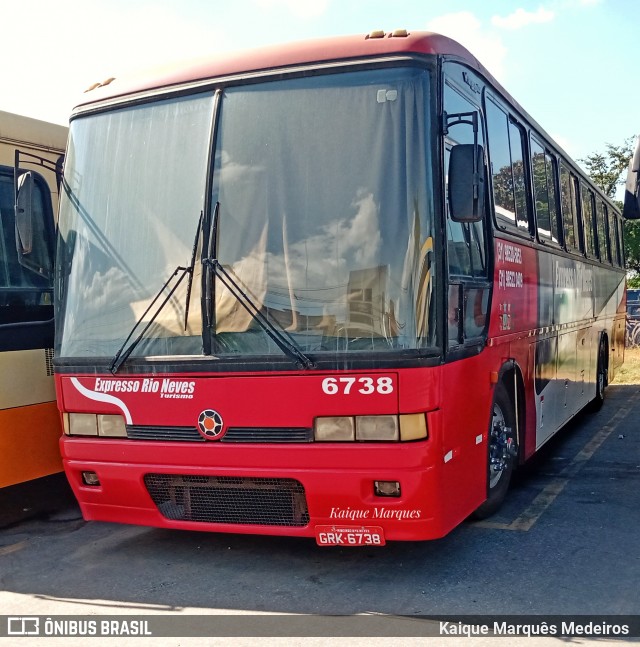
<point x="515" y="296"/>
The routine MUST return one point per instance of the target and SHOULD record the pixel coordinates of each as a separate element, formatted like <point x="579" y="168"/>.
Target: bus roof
<point x="17" y="129"/>
<point x="310" y="52"/>
<point x="300" y="53"/>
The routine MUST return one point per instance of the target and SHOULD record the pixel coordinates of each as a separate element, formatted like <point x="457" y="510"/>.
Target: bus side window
<point x="544" y="169"/>
<point x="616" y="246"/>
<point x="554" y="210"/>
<point x="507" y="168"/>
<point x="604" y="247"/>
<point x="620" y="243"/>
<point x="569" y="210"/>
<point x="519" y="178"/>
<point x="587" y="220"/>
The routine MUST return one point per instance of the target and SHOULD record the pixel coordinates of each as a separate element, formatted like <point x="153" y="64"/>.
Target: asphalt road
<point x="566" y="542"/>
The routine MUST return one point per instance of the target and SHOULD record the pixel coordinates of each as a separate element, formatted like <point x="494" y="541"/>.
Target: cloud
<point x="521" y="18"/>
<point x="485" y="45"/>
<point x="60" y="59"/>
<point x="305" y="9"/>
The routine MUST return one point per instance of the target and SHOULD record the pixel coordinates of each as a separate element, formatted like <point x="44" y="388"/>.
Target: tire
<point x="602" y="378"/>
<point x="633" y="333"/>
<point x="501" y="452"/>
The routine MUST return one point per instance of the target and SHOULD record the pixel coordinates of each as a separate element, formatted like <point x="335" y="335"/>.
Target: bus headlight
<point x="90" y="424"/>
<point x="111" y="426"/>
<point x="377" y="428"/>
<point x="382" y="428"/>
<point x="81" y="424"/>
<point x="333" y="429"/>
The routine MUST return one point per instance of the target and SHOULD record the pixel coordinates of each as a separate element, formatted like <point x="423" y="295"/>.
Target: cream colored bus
<point x="32" y="151"/>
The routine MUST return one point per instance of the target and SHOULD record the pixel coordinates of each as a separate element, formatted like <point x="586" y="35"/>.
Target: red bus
<point x="335" y="289"/>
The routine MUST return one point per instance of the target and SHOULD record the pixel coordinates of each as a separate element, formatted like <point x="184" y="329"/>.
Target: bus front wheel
<point x="502" y="451"/>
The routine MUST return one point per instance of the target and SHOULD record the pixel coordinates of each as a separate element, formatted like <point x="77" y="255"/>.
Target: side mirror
<point x="24" y="213"/>
<point x="631" y="207"/>
<point x="466" y="183"/>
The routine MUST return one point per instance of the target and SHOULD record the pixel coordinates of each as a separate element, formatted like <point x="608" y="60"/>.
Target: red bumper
<point x="337" y="480"/>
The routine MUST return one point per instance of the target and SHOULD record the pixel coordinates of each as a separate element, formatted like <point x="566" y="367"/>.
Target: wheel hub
<point x="503" y="447"/>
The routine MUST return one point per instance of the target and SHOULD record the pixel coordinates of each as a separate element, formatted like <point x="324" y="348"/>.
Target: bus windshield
<point x="324" y="195"/>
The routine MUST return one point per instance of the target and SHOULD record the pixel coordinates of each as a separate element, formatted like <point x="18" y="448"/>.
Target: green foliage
<point x="632" y="245"/>
<point x="633" y="280"/>
<point x="608" y="170"/>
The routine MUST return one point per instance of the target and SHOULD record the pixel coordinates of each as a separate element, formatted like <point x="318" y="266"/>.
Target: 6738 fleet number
<point x="365" y="385"/>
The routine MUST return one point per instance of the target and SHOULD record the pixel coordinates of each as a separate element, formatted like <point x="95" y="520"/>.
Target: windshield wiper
<point x="280" y="337"/>
<point x="191" y="268"/>
<point x="124" y="351"/>
<point x="122" y="355"/>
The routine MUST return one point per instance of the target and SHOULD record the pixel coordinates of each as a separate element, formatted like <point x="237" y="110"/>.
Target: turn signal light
<point x="413" y="426"/>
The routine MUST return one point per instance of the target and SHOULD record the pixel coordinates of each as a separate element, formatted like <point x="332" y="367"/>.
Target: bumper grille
<point x="183" y="434"/>
<point x="227" y="499"/>
<point x="233" y="435"/>
<point x="268" y="435"/>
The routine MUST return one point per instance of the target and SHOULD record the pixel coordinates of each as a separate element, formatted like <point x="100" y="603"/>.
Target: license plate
<point x="349" y="536"/>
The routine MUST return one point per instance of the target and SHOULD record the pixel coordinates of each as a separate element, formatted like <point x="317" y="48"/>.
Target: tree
<point x="608" y="170"/>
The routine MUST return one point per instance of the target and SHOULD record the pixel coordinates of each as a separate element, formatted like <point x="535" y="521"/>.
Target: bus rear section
<point x="29" y="419"/>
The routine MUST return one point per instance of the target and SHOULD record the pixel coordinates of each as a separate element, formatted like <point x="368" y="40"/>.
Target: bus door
<point x="468" y="289"/>
<point x="466" y="244"/>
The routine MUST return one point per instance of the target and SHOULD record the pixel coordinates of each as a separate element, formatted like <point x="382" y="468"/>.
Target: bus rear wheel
<point x="502" y="451"/>
<point x="602" y="378"/>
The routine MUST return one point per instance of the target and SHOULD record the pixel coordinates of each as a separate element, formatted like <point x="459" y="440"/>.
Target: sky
<point x="572" y="64"/>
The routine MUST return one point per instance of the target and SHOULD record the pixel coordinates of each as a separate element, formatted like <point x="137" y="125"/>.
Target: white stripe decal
<point x="448" y="456"/>
<point x="478" y="439"/>
<point x="102" y="397"/>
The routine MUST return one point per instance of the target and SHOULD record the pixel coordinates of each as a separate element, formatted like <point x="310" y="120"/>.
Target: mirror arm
<point x="55" y="167"/>
<point x="455" y="119"/>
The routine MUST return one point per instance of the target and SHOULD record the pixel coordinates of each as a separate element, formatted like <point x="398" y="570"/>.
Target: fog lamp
<point x="386" y="488"/>
<point x="90" y="478"/>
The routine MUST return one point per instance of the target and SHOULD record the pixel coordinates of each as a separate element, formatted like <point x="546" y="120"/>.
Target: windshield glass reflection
<point x="134" y="188"/>
<point x="324" y="186"/>
<point x="325" y="214"/>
